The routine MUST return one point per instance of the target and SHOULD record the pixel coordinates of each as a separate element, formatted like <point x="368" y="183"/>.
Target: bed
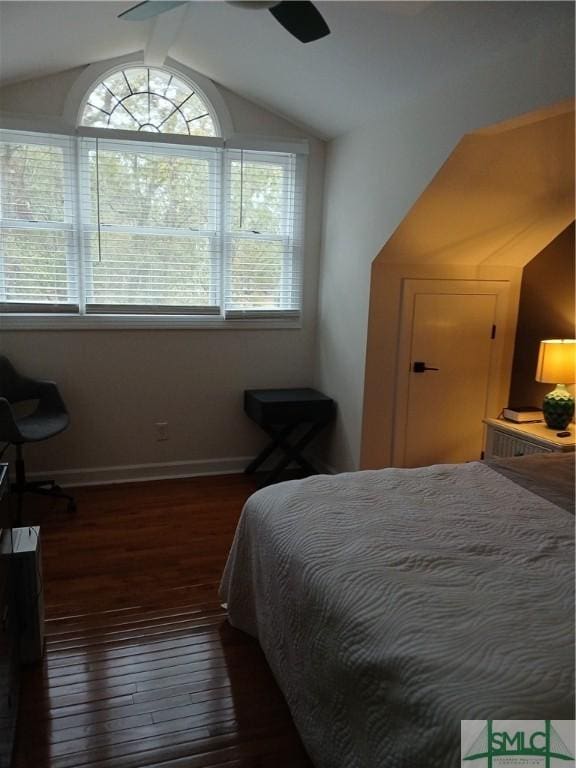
<point x="392" y="604"/>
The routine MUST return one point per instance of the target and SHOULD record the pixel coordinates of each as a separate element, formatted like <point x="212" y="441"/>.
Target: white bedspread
<point x="392" y="604"/>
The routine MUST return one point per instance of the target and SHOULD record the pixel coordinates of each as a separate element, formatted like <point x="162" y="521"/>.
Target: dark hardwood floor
<point x="141" y="667"/>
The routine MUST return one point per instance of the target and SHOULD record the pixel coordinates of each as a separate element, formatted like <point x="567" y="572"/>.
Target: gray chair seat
<point x="34" y="428"/>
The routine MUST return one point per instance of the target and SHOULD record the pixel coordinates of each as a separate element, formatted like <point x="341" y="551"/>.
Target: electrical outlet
<point x="161" y="430"/>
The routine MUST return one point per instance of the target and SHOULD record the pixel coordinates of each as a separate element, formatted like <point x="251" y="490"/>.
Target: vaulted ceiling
<point x="379" y="55"/>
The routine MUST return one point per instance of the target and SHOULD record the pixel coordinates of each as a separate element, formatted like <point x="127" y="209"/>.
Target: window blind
<point x="262" y="240"/>
<point x="118" y="226"/>
<point x="151" y="228"/>
<point x="38" y="248"/>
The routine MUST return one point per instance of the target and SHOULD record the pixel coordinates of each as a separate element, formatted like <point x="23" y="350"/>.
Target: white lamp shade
<point x="557" y="361"/>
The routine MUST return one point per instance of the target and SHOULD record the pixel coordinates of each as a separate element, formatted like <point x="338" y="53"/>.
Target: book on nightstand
<point x="523" y="414"/>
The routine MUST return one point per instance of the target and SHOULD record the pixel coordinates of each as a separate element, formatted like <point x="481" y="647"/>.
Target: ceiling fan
<point x="301" y="19"/>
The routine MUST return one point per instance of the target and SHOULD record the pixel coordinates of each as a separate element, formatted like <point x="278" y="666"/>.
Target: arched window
<point x="147" y="99"/>
<point x="116" y="223"/>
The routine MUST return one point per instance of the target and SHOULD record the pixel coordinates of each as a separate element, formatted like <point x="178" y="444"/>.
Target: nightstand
<point x="506" y="439"/>
<point x="299" y="414"/>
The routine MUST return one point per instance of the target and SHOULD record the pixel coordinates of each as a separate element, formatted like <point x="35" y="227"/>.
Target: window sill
<point x="51" y="322"/>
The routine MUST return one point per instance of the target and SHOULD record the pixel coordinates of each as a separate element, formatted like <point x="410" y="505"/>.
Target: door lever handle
<point x="420" y="367"/>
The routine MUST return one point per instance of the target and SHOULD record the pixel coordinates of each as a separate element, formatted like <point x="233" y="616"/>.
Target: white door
<point x="449" y="332"/>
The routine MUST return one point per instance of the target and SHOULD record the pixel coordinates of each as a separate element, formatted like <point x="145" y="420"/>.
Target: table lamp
<point x="557" y="365"/>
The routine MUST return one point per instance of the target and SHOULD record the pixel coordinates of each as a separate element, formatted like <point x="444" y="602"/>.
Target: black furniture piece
<point x="49" y="418"/>
<point x="9" y="657"/>
<point x="300" y="414"/>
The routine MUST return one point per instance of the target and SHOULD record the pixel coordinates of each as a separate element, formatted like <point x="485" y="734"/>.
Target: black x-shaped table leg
<point x="292" y="451"/>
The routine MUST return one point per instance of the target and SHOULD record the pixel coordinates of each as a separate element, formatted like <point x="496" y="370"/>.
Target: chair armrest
<point x="27" y="388"/>
<point x="9" y="431"/>
<point x="49" y="397"/>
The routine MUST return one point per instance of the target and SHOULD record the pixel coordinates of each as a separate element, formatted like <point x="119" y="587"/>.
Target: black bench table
<point x="280" y="413"/>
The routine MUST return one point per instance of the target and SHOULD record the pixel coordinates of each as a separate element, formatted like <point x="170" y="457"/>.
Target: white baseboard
<point x="132" y="473"/>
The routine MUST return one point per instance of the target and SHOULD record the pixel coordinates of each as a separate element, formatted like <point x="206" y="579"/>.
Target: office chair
<point x="49" y="418"/>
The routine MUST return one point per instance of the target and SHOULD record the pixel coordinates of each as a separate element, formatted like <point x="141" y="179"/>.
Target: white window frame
<point x="95" y="73"/>
<point x="66" y="227"/>
<point x="257" y="319"/>
<point x="183" y="77"/>
<point x="86" y="229"/>
<point x="288" y="238"/>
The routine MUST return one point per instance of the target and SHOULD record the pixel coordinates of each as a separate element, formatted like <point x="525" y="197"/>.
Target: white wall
<point x="373" y="176"/>
<point x="117" y="384"/>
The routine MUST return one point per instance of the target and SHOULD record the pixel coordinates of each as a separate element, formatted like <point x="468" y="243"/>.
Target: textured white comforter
<point x="392" y="604"/>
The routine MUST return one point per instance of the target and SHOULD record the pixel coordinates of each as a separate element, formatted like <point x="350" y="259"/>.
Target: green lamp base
<point x="558" y="408"/>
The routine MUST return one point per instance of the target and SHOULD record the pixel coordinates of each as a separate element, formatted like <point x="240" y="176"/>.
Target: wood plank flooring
<point x="141" y="667"/>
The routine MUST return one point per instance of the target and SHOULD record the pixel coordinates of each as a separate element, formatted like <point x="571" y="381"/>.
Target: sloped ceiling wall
<point x="499" y="199"/>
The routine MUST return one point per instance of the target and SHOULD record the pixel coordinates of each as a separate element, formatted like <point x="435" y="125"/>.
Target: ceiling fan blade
<point x="149" y="8"/>
<point x="301" y="19"/>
